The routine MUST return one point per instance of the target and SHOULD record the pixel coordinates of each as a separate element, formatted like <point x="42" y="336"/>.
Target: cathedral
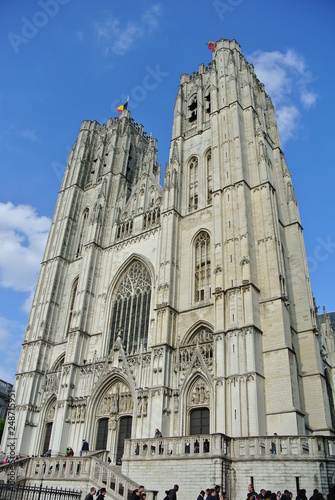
<point x="185" y="308"/>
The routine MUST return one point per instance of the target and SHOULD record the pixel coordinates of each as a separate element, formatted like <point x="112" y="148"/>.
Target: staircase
<point x="79" y="473"/>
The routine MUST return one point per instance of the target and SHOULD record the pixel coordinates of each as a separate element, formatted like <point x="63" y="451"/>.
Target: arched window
<point x="199" y="422"/>
<point x="207" y="104"/>
<point x="125" y="424"/>
<point x="209" y="176"/>
<point x="202" y="274"/>
<point x="131" y="308"/>
<point x="102" y="434"/>
<point x="47" y="438"/>
<point x="72" y="300"/>
<point x="83" y="231"/>
<point x="192" y="108"/>
<point x="193" y="184"/>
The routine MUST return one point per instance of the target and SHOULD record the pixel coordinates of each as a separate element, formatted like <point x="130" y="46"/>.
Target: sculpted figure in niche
<point x="139" y="406"/>
<point x="122" y="405"/>
<point x="145" y="406"/>
<point x="113" y="406"/>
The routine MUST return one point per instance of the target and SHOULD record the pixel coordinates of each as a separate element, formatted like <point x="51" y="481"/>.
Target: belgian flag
<point x="211" y="46"/>
<point x="122" y="107"/>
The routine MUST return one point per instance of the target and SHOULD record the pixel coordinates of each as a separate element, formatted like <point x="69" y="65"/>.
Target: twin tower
<point x="186" y="308"/>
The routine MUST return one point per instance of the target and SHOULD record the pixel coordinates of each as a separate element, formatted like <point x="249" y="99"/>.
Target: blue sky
<point x="64" y="61"/>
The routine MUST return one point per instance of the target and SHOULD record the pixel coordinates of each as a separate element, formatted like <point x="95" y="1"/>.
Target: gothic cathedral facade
<point x="186" y="308"/>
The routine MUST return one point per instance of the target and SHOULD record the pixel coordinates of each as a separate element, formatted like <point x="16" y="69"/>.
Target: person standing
<point x="173" y="492"/>
<point x="91" y="494"/>
<point x="137" y="494"/>
<point x="316" y="495"/>
<point x="201" y="495"/>
<point x="211" y="494"/>
<point x="85" y="447"/>
<point x="252" y="495"/>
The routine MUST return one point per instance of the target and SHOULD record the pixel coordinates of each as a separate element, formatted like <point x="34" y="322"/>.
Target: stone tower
<point x="188" y="308"/>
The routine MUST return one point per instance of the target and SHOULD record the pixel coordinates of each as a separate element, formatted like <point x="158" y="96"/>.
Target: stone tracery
<point x="131" y="308"/>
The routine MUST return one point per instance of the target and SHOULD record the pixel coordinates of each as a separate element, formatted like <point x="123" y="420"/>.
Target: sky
<point x="65" y="61"/>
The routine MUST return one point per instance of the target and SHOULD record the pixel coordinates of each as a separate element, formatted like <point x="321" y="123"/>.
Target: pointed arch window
<point x="131" y="308"/>
<point x="192" y="109"/>
<point x="72" y="301"/>
<point x="209" y="176"/>
<point x="207" y="104"/>
<point x="193" y="184"/>
<point x="47" y="438"/>
<point x="202" y="262"/>
<point x="83" y="231"/>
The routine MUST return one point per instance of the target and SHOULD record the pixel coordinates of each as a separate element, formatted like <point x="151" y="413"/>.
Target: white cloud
<point x="286" y="78"/>
<point x="11" y="337"/>
<point x="119" y="37"/>
<point x="80" y="35"/>
<point x="308" y="98"/>
<point x="125" y="38"/>
<point x="29" y="134"/>
<point x="23" y="236"/>
<point x="288" y="122"/>
<point x="150" y="17"/>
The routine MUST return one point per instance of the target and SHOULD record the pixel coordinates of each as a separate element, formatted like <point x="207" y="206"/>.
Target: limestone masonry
<point x="186" y="308"/>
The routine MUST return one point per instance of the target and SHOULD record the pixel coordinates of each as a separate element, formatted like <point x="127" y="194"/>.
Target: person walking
<point x="91" y="494"/>
<point x="101" y="494"/>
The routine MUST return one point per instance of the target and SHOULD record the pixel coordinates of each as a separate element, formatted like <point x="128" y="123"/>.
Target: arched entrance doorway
<point x="101" y="443"/>
<point x="199" y="421"/>
<point x="113" y="419"/>
<point x="124" y="433"/>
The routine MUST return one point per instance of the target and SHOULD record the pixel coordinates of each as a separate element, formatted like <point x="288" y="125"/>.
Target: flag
<point x="211" y="46"/>
<point x="122" y="107"/>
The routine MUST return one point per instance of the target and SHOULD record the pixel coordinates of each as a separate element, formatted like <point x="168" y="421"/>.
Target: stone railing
<point x="118" y="485"/>
<point x="234" y="449"/>
<point x="282" y="447"/>
<point x="79" y="470"/>
<point x="197" y="446"/>
<point x="15" y="472"/>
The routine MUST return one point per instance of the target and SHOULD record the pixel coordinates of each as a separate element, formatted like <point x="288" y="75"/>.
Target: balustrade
<point x="77" y="470"/>
<point x="200" y="446"/>
<point x="238" y="448"/>
<point x="94" y="469"/>
<point x="285" y="447"/>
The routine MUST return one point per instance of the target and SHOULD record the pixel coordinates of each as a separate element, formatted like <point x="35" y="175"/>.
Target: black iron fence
<point x="17" y="492"/>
